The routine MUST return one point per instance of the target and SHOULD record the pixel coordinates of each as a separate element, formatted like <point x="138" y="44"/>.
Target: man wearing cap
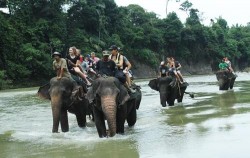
<point x="118" y="59"/>
<point x="60" y="66"/>
<point x="105" y="66"/>
<point x="163" y="69"/>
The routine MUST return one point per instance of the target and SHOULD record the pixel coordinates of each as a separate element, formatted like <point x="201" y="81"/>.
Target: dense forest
<point x="33" y="29"/>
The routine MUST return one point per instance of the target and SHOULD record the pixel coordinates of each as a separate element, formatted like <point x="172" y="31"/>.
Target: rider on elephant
<point x="178" y="68"/>
<point x="172" y="69"/>
<point x="223" y="65"/>
<point x="163" y="69"/>
<point x="229" y="64"/>
<point x="119" y="60"/>
<point x="105" y="66"/>
<point x="74" y="66"/>
<point x="127" y="71"/>
<point x="60" y="66"/>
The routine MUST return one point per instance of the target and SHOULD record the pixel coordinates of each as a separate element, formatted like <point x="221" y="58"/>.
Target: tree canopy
<point x="34" y="29"/>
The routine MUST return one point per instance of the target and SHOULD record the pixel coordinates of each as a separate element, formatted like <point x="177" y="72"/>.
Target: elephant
<point x="65" y="95"/>
<point x="226" y="79"/>
<point x="169" y="89"/>
<point x="113" y="103"/>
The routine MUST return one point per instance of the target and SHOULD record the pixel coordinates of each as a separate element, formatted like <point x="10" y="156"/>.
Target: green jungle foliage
<point x="35" y="29"/>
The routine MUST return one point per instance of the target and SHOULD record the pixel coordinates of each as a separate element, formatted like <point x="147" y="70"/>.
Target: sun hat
<point x="113" y="47"/>
<point x="56" y="53"/>
<point x="105" y="53"/>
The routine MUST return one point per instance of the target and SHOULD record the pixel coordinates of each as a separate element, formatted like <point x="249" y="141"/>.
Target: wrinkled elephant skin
<point x="62" y="94"/>
<point x="168" y="93"/>
<point x="112" y="102"/>
<point x="226" y="79"/>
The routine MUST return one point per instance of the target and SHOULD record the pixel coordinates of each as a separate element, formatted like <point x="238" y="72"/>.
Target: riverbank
<point x="140" y="71"/>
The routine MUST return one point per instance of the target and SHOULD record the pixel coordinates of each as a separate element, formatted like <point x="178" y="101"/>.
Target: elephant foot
<point x="121" y="133"/>
<point x="108" y="133"/>
<point x="64" y="131"/>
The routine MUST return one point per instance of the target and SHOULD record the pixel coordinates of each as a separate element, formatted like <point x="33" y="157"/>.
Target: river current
<point x="212" y="124"/>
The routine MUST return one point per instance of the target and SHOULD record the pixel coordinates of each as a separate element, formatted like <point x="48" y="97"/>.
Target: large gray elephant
<point x="113" y="103"/>
<point x="169" y="89"/>
<point x="65" y="95"/>
<point x="226" y="79"/>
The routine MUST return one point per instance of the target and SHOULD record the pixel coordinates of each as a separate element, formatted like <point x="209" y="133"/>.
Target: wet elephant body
<point x="226" y="79"/>
<point x="65" y="96"/>
<point x="169" y="89"/>
<point x="113" y="103"/>
<point x="132" y="105"/>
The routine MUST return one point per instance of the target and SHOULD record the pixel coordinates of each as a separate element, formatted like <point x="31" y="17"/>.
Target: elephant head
<point x="226" y="79"/>
<point x="61" y="96"/>
<point x="108" y="94"/>
<point x="169" y="89"/>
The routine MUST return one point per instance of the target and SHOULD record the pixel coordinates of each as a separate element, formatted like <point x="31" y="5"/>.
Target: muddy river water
<point x="213" y="124"/>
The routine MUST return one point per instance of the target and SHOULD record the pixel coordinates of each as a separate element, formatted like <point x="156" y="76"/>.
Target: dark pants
<point x="121" y="76"/>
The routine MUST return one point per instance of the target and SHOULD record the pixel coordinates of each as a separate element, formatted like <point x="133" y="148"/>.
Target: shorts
<point x="129" y="72"/>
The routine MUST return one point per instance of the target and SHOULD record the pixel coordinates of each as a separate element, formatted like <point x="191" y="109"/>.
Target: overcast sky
<point x="233" y="11"/>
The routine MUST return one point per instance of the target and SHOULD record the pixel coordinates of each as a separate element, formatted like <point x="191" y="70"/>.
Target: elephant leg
<point x="224" y="84"/>
<point x="81" y="119"/>
<point x="131" y="116"/>
<point x="120" y="118"/>
<point x="138" y="100"/>
<point x="232" y="83"/>
<point x="163" y="98"/>
<point x="180" y="96"/>
<point x="227" y="84"/>
<point x="64" y="121"/>
<point x="221" y="84"/>
<point x="100" y="123"/>
<point x="171" y="96"/>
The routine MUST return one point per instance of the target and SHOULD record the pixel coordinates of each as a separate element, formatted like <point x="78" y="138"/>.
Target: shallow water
<point x="213" y="124"/>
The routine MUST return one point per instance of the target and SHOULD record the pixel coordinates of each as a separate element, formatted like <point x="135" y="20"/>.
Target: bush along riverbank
<point x="140" y="71"/>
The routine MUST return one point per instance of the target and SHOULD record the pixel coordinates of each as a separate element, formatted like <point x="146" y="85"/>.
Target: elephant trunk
<point x="109" y="108"/>
<point x="163" y="98"/>
<point x="56" y="105"/>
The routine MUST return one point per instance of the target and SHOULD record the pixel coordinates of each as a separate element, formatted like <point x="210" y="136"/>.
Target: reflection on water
<point x="205" y="126"/>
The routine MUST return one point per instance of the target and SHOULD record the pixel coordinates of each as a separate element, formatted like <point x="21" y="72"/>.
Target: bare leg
<point x="82" y="75"/>
<point x="128" y="80"/>
<point x="177" y="76"/>
<point x="180" y="75"/>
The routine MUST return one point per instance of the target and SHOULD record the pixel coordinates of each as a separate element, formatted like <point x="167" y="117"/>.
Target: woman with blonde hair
<point x="74" y="64"/>
<point x="172" y="68"/>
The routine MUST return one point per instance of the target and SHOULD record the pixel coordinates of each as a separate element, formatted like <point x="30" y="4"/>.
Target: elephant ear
<point x="43" y="91"/>
<point x="91" y="94"/>
<point x="77" y="93"/>
<point x="153" y="84"/>
<point x="123" y="96"/>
